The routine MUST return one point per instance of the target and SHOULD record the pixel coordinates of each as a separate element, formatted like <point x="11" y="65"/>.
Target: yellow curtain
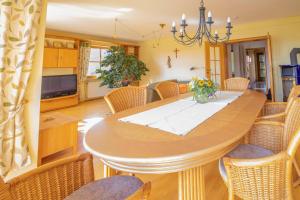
<point x="19" y="22"/>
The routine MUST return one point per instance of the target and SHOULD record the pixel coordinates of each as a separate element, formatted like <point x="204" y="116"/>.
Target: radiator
<point x="95" y="91"/>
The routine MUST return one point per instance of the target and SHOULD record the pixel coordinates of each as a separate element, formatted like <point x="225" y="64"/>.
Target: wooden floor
<point x="164" y="187"/>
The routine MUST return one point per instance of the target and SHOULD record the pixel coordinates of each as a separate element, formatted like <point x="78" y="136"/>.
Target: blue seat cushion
<point x="112" y="188"/>
<point x="244" y="151"/>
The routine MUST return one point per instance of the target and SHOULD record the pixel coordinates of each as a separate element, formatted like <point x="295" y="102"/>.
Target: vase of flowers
<point x="202" y="89"/>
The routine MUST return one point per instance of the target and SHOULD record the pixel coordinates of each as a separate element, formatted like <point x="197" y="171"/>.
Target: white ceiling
<point x="138" y="19"/>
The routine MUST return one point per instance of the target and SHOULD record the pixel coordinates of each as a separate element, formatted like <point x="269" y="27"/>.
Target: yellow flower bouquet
<point x="202" y="89"/>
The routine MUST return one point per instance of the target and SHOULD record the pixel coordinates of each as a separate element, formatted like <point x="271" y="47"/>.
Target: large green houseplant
<point x="119" y="69"/>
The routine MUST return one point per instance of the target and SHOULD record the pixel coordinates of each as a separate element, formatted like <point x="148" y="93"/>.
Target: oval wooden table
<point x="140" y="149"/>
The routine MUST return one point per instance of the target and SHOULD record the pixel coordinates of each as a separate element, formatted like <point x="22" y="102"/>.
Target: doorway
<point x="250" y="58"/>
<point x="255" y="64"/>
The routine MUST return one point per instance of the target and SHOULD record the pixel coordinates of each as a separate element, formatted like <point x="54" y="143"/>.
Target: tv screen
<point x="57" y="86"/>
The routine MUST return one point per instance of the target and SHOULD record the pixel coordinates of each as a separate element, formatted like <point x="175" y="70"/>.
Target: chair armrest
<point x="267" y="134"/>
<point x="255" y="162"/>
<point x="54" y="180"/>
<point x="276" y="118"/>
<point x="273" y="108"/>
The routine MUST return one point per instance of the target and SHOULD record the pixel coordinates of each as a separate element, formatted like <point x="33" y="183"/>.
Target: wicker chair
<point x="275" y="136"/>
<point x="58" y="180"/>
<point x="253" y="165"/>
<point x="277" y="108"/>
<point x="236" y="84"/>
<point x="167" y="89"/>
<point x="262" y="178"/>
<point x="127" y="97"/>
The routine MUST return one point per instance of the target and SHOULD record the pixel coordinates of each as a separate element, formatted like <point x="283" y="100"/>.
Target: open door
<point x="215" y="63"/>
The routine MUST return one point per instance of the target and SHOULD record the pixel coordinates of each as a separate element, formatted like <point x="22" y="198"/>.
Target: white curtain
<point x="85" y="51"/>
<point x="19" y="23"/>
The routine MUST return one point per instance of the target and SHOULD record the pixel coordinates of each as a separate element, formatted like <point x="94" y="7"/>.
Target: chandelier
<point x="204" y="29"/>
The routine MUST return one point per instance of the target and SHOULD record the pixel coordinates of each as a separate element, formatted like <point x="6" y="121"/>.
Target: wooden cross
<point x="176" y="52"/>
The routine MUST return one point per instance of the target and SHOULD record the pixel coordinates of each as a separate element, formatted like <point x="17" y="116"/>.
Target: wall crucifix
<point x="176" y="52"/>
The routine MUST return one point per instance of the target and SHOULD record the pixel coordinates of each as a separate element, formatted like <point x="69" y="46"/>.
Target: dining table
<point x="135" y="148"/>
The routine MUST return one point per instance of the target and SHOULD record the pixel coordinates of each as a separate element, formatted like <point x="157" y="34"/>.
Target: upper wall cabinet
<point x="50" y="57"/>
<point x="64" y="58"/>
<point x="68" y="57"/>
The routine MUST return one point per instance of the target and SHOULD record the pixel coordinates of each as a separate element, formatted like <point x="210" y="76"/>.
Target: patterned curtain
<point x="85" y="50"/>
<point x="19" y="22"/>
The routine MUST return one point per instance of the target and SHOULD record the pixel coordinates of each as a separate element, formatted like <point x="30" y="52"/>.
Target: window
<point x="96" y="56"/>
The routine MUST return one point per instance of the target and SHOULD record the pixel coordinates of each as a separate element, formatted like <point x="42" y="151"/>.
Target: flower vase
<point x="201" y="98"/>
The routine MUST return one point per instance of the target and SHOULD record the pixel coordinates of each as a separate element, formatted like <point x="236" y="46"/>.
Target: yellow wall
<point x="285" y="35"/>
<point x="33" y="95"/>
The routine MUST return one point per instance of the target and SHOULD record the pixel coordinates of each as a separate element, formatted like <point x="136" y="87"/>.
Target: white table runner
<point x="182" y="116"/>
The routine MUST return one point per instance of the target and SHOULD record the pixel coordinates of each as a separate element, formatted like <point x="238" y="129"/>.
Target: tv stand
<point x="58" y="102"/>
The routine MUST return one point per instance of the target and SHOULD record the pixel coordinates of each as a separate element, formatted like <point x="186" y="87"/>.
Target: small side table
<point x="58" y="132"/>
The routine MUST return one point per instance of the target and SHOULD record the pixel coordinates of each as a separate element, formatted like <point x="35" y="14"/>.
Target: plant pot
<point x="125" y="83"/>
<point x="201" y="98"/>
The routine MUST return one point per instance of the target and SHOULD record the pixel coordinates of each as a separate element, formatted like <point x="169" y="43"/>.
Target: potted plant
<point x="119" y="69"/>
<point x="202" y="89"/>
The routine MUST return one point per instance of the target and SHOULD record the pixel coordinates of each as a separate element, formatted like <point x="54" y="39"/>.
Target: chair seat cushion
<point x="112" y="188"/>
<point x="244" y="151"/>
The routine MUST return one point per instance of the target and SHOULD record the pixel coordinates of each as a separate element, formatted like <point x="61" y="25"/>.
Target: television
<point x="58" y="86"/>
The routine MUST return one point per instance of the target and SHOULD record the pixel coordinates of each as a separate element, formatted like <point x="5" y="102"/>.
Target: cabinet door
<point x="50" y="57"/>
<point x="68" y="58"/>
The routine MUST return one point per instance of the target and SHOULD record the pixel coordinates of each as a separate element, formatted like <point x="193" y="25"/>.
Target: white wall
<point x="156" y="60"/>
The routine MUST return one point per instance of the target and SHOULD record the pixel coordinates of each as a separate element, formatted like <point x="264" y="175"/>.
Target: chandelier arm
<point x="187" y="42"/>
<point x="184" y="43"/>
<point x="223" y="39"/>
<point x="184" y="40"/>
<point x="212" y="38"/>
<point x="209" y="36"/>
<point x="189" y="37"/>
<point x="181" y="41"/>
<point x="198" y="32"/>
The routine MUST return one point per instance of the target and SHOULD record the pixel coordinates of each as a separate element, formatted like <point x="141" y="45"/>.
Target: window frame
<point x="94" y="76"/>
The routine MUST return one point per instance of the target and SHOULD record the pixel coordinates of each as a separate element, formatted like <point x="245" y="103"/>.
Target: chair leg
<point x="297" y="182"/>
<point x="146" y="190"/>
<point x="108" y="172"/>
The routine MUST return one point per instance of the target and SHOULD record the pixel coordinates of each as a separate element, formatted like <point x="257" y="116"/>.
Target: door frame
<point x="266" y="38"/>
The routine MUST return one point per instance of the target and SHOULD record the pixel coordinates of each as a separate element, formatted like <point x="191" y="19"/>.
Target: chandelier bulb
<point x="173" y="24"/>
<point x="181" y="31"/>
<point x="228" y="20"/>
<point x="209" y="14"/>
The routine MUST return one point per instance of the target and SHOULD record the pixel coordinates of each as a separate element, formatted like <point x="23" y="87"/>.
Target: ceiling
<point x="139" y="19"/>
